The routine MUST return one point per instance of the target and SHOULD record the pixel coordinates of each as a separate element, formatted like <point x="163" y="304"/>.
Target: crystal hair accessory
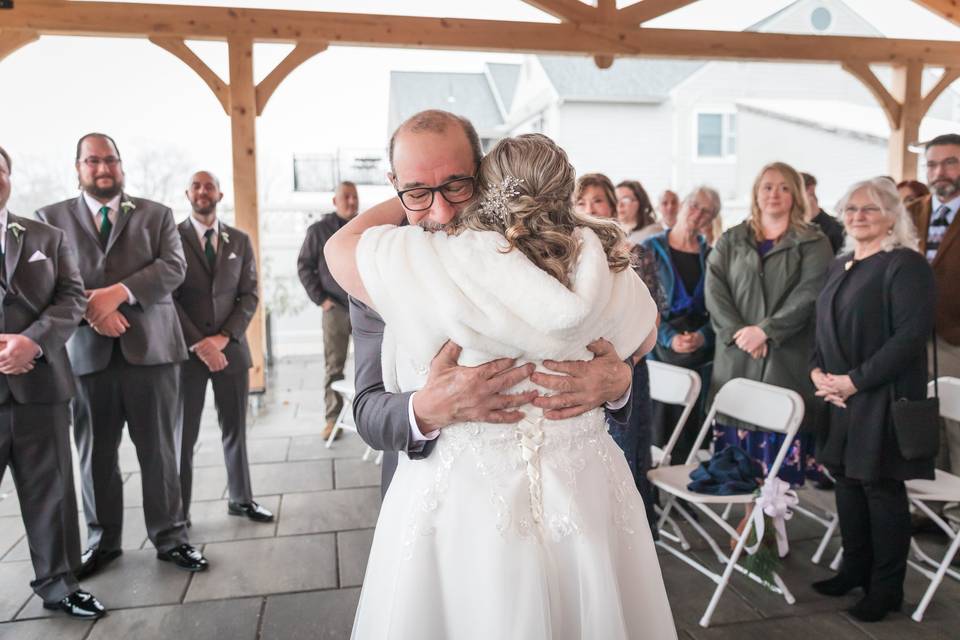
<point x="493" y="207"/>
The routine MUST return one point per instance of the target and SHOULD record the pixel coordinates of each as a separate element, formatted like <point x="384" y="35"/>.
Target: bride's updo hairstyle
<point x="537" y="215"/>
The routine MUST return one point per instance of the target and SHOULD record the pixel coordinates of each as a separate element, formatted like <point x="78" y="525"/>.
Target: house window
<point x="716" y="135"/>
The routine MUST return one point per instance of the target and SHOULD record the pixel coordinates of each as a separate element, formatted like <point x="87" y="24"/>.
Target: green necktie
<point x="105" y="225"/>
<point x="208" y="247"/>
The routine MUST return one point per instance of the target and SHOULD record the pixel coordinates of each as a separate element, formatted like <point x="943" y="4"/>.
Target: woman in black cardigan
<point x="859" y="357"/>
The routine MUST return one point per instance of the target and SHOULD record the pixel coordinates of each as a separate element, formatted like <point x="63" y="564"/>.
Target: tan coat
<point x="946" y="270"/>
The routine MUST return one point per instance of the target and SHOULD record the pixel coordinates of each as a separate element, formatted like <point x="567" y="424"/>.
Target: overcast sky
<point x="57" y="88"/>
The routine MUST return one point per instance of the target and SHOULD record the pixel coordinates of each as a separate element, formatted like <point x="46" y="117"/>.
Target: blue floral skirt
<point x="799" y="464"/>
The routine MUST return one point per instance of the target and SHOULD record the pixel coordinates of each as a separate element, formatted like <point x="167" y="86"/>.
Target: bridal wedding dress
<point x="528" y="531"/>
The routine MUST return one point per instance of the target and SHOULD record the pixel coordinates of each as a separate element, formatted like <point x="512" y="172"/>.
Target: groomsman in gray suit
<point x="440" y="152"/>
<point x="42" y="303"/>
<point x="126" y="354"/>
<point x="216" y="303"/>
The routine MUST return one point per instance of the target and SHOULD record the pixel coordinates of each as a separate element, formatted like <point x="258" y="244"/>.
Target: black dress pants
<point x="875" y="530"/>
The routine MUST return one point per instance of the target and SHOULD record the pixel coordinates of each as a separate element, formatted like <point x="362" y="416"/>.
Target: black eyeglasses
<point x="454" y="192"/>
<point x="94" y="161"/>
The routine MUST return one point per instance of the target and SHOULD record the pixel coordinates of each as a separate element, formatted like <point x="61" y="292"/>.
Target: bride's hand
<point x="455" y="394"/>
<point x="586" y="385"/>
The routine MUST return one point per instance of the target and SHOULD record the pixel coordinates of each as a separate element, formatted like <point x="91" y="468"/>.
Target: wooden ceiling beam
<point x="646" y="10"/>
<point x="947" y="9"/>
<point x="892" y="107"/>
<point x="565" y="10"/>
<point x="950" y="75"/>
<point x="300" y="54"/>
<point x="13" y="39"/>
<point x="270" y="25"/>
<point x="179" y="48"/>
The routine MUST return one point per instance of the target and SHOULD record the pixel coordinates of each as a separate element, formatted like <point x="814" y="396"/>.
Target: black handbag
<point x="916" y="423"/>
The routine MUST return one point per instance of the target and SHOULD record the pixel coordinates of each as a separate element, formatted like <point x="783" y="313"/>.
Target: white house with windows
<point x="679" y="123"/>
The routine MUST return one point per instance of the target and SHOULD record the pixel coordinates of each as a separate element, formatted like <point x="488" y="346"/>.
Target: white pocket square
<point x="233" y="256"/>
<point x="38" y="256"/>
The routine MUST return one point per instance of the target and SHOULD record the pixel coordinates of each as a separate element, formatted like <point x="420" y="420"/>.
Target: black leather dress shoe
<point x="874" y="608"/>
<point x="838" y="585"/>
<point x="186" y="557"/>
<point x="79" y="604"/>
<point x="94" y="559"/>
<point x="252" y="510"/>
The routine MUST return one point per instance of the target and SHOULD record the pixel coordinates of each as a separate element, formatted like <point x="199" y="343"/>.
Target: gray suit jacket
<point x="221" y="299"/>
<point x="44" y="301"/>
<point x="144" y="253"/>
<point x="383" y="418"/>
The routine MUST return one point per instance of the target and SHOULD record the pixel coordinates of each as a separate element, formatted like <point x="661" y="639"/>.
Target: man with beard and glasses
<point x="42" y="303"/>
<point x="216" y="303"/>
<point x="327" y="293"/>
<point x="939" y="231"/>
<point x="434" y="157"/>
<point x="126" y="354"/>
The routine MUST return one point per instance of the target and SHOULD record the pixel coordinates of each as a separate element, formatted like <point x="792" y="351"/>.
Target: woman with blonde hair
<point x="528" y="530"/>
<point x="874" y="318"/>
<point x="763" y="277"/>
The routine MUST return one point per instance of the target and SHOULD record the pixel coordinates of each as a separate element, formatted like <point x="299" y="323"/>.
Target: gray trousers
<point x="145" y="399"/>
<point x="949" y="365"/>
<point x="336" y="340"/>
<point x="35" y="444"/>
<point x="230" y="390"/>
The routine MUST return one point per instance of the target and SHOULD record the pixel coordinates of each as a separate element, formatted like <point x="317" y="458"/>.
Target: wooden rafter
<point x="565" y="10"/>
<point x="271" y="25"/>
<point x="891" y="106"/>
<point x="948" y="9"/>
<point x="300" y="54"/>
<point x="12" y="39"/>
<point x="649" y="9"/>
<point x="950" y="74"/>
<point x="179" y="48"/>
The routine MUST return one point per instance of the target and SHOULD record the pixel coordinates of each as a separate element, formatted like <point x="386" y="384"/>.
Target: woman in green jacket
<point x="763" y="278"/>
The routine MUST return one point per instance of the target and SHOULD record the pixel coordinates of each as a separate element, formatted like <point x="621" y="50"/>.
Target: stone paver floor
<point x="299" y="577"/>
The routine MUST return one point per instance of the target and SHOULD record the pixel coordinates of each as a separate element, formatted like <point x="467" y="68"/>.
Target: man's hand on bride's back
<point x="584" y="385"/>
<point x="454" y="394"/>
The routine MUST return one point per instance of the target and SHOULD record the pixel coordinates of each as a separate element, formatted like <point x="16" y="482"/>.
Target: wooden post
<point x="243" y="127"/>
<point x="905" y="89"/>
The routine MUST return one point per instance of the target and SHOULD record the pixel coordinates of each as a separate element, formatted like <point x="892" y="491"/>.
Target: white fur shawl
<point x="431" y="287"/>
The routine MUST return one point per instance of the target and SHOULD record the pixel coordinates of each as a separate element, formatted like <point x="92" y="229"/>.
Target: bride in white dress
<point x="532" y="530"/>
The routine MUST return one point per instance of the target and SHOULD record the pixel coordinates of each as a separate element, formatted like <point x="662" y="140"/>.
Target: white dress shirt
<point x="202" y="229"/>
<point x="3" y="225"/>
<point x="94" y="206"/>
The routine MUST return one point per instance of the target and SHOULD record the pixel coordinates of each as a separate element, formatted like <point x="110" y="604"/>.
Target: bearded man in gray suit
<point x="215" y="304"/>
<point x="42" y="303"/>
<point x="125" y="354"/>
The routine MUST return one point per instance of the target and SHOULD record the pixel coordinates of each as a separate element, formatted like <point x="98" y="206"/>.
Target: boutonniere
<point x="127" y="206"/>
<point x="16" y="229"/>
<point x="225" y="237"/>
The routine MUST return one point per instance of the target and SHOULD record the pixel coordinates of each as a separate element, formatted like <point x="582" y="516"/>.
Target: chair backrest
<point x="344" y="387"/>
<point x="949" y="396"/>
<point x="765" y="406"/>
<point x="671" y="384"/>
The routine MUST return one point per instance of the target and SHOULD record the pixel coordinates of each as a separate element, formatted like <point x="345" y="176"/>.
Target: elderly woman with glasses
<point x="685" y="337"/>
<point x="874" y="317"/>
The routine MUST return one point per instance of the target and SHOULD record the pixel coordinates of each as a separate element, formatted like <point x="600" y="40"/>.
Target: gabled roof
<point x="504" y="78"/>
<point x="797" y="17"/>
<point x="628" y="80"/>
<point x="466" y="94"/>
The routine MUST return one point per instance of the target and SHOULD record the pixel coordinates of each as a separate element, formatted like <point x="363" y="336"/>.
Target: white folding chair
<point x="945" y="487"/>
<point x="768" y="408"/>
<point x="675" y="385"/>
<point x="345" y="419"/>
